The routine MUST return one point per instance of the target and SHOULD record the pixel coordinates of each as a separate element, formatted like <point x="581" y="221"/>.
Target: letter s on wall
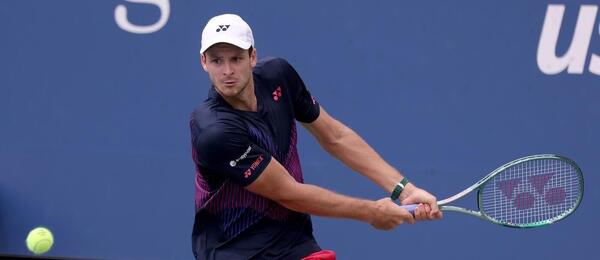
<point x="123" y="22"/>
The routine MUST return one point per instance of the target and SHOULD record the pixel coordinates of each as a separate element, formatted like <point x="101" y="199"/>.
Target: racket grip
<point x="410" y="207"/>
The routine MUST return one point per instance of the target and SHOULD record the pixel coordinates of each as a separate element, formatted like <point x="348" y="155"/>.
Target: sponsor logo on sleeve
<point x="233" y="163"/>
<point x="255" y="164"/>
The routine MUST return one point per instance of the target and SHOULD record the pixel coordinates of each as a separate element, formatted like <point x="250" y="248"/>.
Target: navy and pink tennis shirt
<point x="231" y="148"/>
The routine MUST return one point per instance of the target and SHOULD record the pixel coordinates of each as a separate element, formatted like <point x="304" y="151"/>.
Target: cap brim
<point x="241" y="44"/>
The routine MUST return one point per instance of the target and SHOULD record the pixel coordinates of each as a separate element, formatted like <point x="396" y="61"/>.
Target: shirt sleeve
<point x="306" y="107"/>
<point x="230" y="153"/>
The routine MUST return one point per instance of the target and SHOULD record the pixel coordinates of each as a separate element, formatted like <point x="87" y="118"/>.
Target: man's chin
<point x="228" y="92"/>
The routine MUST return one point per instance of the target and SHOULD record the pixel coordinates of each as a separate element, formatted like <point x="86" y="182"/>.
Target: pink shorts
<point x="321" y="255"/>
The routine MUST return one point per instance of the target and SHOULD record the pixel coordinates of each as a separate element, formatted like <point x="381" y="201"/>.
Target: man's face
<point x="229" y="68"/>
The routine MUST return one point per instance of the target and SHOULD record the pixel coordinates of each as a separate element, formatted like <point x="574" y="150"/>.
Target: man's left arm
<point x="348" y="147"/>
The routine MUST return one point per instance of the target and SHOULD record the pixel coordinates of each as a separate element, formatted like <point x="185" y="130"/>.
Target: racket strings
<point x="531" y="192"/>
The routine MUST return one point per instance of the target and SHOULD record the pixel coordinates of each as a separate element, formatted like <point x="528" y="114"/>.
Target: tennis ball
<point x="39" y="240"/>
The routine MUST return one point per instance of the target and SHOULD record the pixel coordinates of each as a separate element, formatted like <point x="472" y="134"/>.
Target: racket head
<point x="532" y="191"/>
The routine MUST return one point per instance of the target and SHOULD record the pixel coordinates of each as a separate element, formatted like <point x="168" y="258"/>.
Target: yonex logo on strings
<point x="223" y="28"/>
<point x="526" y="199"/>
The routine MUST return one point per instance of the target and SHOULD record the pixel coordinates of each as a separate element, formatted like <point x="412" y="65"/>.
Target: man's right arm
<point x="278" y="185"/>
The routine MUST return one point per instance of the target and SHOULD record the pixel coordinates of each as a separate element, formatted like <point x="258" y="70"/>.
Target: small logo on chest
<point x="277" y="94"/>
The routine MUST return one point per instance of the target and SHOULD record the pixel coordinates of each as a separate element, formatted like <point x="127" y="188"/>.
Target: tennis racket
<point x="529" y="192"/>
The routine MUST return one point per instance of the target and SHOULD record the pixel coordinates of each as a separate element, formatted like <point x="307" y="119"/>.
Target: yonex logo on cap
<point x="223" y="27"/>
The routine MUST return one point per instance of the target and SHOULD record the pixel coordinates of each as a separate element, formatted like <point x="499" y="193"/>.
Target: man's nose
<point x="227" y="68"/>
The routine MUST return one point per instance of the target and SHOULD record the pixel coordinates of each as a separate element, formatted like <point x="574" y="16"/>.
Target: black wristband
<point x="398" y="189"/>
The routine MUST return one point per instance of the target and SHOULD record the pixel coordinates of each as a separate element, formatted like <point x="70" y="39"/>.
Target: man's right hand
<point x="387" y="215"/>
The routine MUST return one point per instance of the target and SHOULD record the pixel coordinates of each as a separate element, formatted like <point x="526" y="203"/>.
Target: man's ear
<point x="203" y="61"/>
<point x="253" y="57"/>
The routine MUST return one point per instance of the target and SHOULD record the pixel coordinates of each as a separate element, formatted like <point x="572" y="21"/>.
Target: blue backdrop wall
<point x="94" y="108"/>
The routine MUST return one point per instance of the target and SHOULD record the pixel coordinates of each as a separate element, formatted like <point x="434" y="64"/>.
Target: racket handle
<point x="410" y="207"/>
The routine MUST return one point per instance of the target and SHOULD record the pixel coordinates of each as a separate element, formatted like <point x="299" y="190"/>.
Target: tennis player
<point x="251" y="201"/>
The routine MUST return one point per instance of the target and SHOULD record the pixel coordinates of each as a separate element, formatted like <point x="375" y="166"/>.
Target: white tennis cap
<point x="228" y="28"/>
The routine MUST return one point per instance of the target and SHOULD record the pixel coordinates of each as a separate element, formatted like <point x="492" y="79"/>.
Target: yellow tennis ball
<point x="39" y="240"/>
